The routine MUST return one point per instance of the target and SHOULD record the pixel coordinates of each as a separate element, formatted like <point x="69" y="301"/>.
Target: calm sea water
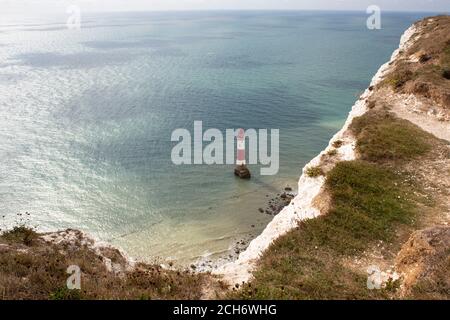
<point x="86" y="116"/>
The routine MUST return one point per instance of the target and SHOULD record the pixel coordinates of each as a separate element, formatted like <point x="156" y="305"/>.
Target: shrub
<point x="332" y="152"/>
<point x="64" y="293"/>
<point x="314" y="172"/>
<point x="338" y="143"/>
<point x="21" y="234"/>
<point x="446" y="73"/>
<point x="371" y="104"/>
<point x="398" y="79"/>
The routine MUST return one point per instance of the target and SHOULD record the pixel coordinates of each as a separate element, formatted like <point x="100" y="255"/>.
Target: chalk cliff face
<point x="311" y="200"/>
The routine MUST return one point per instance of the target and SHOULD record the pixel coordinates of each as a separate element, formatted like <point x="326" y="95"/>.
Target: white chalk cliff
<point x="302" y="206"/>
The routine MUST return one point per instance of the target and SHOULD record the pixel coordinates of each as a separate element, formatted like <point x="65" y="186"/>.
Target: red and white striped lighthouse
<point x="240" y="157"/>
<point x="241" y="169"/>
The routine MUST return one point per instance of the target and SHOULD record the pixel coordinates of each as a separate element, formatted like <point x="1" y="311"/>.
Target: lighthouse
<point x="241" y="169"/>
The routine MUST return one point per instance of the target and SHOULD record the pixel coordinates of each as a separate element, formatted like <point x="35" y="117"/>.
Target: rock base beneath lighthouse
<point x="242" y="172"/>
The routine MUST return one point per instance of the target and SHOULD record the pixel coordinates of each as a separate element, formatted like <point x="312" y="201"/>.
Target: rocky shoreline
<point x="274" y="205"/>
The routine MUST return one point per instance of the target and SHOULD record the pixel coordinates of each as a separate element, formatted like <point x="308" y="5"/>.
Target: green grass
<point x="65" y="294"/>
<point x="370" y="199"/>
<point x="383" y="137"/>
<point x="367" y="200"/>
<point x="314" y="172"/>
<point x="398" y="79"/>
<point x="368" y="203"/>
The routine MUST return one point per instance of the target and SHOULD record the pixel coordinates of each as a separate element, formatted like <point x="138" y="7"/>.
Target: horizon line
<point x="271" y="10"/>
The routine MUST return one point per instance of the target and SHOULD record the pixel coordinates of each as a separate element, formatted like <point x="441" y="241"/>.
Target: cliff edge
<point x="383" y="176"/>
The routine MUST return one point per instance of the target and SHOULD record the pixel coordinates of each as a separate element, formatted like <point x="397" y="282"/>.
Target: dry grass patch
<point x="423" y="69"/>
<point x="39" y="272"/>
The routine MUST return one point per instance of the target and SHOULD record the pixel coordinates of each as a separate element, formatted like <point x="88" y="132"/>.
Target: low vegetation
<point x="305" y="264"/>
<point x="31" y="268"/>
<point x="332" y="152"/>
<point x="446" y="73"/>
<point x="398" y="79"/>
<point x="314" y="172"/>
<point x="373" y="198"/>
<point x="370" y="199"/>
<point x="424" y="261"/>
<point x="20" y="234"/>
<point x="428" y="77"/>
<point x="383" y="137"/>
<point x="338" y="143"/>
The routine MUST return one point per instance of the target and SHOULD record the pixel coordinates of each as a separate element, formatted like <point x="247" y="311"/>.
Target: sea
<point x="86" y="117"/>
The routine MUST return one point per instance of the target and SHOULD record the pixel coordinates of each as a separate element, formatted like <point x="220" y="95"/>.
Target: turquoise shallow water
<point x="86" y="116"/>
